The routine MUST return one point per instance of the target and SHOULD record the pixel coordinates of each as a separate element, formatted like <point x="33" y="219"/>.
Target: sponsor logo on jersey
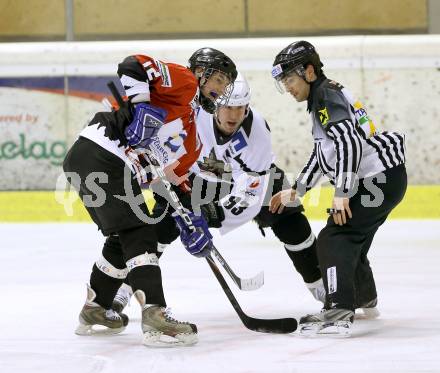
<point x="159" y="150"/>
<point x="164" y="73"/>
<point x="364" y="121"/>
<point x="255" y="184"/>
<point x="214" y="165"/>
<point x="175" y="142"/>
<point x="361" y="114"/>
<point x="323" y="116"/>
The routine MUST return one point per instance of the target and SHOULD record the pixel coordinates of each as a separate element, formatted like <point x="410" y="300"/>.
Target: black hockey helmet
<point x="296" y="57"/>
<point x="211" y="60"/>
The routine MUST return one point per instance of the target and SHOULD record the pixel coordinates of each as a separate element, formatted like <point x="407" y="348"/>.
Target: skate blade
<point x="158" y="339"/>
<point x="333" y="329"/>
<point x="86" y="330"/>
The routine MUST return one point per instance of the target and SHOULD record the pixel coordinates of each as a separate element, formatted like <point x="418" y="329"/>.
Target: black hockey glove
<point x="213" y="214"/>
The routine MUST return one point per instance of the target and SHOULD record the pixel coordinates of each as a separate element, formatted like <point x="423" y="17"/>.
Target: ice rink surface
<point x="44" y="268"/>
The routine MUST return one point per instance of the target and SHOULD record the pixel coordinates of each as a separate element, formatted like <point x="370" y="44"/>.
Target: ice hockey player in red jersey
<point x="105" y="166"/>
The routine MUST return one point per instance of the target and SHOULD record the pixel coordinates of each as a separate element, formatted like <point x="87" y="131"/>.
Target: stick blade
<point x="247" y="284"/>
<point x="254" y="283"/>
<point x="278" y="326"/>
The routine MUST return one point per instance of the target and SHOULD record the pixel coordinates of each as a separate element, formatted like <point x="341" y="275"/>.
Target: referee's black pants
<point x="342" y="250"/>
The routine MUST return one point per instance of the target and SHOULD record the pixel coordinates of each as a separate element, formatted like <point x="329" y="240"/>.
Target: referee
<point x="367" y="170"/>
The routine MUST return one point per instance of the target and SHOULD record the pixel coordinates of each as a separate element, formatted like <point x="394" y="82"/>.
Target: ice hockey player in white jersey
<point x="232" y="183"/>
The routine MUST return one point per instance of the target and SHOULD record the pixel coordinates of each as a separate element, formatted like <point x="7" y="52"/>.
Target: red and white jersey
<point x="246" y="156"/>
<point x="166" y="85"/>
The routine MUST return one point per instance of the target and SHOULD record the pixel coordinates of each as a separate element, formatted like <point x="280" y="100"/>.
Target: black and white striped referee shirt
<point x="346" y="143"/>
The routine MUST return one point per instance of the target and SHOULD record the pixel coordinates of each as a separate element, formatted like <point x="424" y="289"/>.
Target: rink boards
<point x="421" y="202"/>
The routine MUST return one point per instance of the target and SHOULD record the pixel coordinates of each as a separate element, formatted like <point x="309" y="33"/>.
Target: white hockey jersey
<point x="243" y="159"/>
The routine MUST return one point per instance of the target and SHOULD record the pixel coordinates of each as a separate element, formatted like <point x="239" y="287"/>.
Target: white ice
<point x="44" y="269"/>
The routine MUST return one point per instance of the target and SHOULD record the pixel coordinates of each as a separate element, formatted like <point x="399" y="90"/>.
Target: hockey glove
<point x="147" y="120"/>
<point x="198" y="242"/>
<point x="213" y="214"/>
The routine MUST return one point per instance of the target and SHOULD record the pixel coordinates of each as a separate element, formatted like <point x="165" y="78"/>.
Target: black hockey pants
<point x="342" y="250"/>
<point x="99" y="175"/>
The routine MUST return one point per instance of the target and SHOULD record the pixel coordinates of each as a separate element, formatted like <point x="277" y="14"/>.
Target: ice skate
<point x="161" y="330"/>
<point x="369" y="310"/>
<point x="122" y="298"/>
<point x="333" y="322"/>
<point x="94" y="319"/>
<point x="318" y="290"/>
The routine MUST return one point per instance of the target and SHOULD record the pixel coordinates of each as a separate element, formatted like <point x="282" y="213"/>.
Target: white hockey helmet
<point x="241" y="94"/>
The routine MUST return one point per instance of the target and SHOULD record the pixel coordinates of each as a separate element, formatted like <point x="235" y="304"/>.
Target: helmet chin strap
<point x="301" y="71"/>
<point x="207" y="105"/>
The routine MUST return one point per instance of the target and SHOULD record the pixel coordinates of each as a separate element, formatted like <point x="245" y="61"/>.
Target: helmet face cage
<point x="223" y="100"/>
<point x="240" y="96"/>
<point x="211" y="105"/>
<point x="241" y="92"/>
<point x="212" y="60"/>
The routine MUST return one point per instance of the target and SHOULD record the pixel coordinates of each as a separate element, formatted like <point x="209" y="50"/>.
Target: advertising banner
<point x="40" y="117"/>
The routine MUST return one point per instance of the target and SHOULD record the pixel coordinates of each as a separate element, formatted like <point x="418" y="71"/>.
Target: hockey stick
<point x="248" y="284"/>
<point x="285" y="325"/>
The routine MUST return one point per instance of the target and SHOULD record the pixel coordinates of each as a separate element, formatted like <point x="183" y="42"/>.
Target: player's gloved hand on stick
<point x="147" y="120"/>
<point x="197" y="242"/>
